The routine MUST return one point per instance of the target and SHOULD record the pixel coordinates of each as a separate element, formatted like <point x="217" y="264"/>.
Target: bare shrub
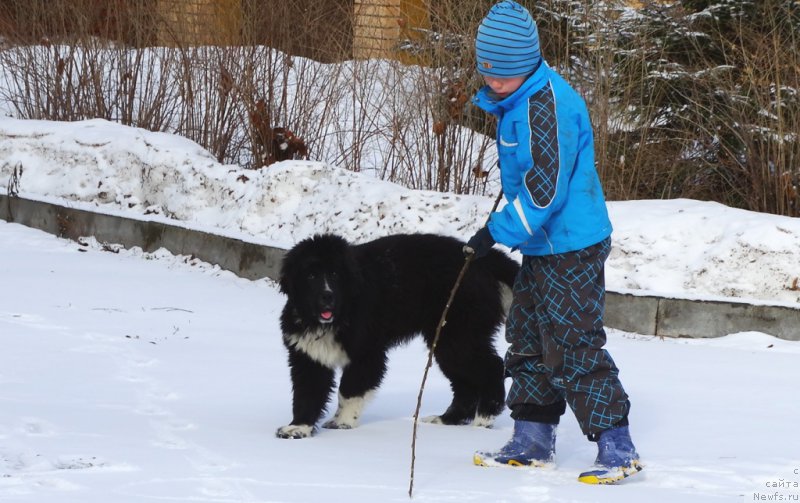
<point x="688" y="99"/>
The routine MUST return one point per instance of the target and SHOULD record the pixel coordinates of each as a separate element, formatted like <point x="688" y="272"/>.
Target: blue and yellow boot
<point x="616" y="458"/>
<point x="533" y="444"/>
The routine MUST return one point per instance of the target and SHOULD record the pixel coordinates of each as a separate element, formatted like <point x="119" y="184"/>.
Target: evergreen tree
<point x="711" y="95"/>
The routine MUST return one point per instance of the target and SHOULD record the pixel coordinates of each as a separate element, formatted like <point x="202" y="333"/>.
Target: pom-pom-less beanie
<point x="507" y="44"/>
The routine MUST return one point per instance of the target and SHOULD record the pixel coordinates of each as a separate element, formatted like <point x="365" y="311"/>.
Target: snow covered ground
<point x="127" y="377"/>
<point x="680" y="248"/>
<point x="132" y="378"/>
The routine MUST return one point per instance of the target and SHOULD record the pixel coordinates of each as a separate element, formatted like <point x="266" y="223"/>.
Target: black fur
<point x="347" y="305"/>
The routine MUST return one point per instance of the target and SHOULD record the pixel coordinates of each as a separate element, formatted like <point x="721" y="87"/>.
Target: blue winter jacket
<point x="546" y="150"/>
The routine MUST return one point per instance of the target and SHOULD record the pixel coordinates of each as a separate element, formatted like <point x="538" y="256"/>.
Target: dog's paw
<point x="333" y="424"/>
<point x="295" y="431"/>
<point x="432" y="419"/>
<point x="449" y="420"/>
<point x="348" y="412"/>
<point x="483" y="421"/>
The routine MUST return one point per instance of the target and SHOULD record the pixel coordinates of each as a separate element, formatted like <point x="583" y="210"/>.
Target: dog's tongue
<point x="326" y="315"/>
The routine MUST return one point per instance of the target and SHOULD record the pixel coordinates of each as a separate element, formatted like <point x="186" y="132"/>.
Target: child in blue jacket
<point x="556" y="217"/>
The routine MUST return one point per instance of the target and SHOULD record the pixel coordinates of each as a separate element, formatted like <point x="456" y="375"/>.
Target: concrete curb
<point x="640" y="314"/>
<point x="670" y="317"/>
<point x="248" y="260"/>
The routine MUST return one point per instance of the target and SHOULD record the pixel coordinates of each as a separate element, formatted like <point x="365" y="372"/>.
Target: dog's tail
<point x="503" y="267"/>
<point x="505" y="270"/>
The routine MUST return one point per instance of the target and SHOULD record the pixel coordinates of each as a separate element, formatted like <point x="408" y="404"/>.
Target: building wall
<point x="199" y="22"/>
<point x="379" y="25"/>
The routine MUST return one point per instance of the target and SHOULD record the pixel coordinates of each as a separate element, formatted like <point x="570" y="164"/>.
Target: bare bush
<point x="708" y="102"/>
<point x="688" y="99"/>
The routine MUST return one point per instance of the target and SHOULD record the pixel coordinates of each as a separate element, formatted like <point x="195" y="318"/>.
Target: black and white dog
<point x="347" y="305"/>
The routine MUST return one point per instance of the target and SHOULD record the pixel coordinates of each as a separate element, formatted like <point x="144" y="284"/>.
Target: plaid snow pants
<point x="556" y="336"/>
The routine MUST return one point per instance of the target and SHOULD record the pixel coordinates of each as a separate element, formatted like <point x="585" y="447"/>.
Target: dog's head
<point x="319" y="276"/>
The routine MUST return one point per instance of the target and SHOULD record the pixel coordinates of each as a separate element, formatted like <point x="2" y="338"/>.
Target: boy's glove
<point x="480" y="243"/>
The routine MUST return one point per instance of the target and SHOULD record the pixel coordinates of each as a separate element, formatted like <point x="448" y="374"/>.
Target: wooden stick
<point x="469" y="258"/>
<point x="442" y="321"/>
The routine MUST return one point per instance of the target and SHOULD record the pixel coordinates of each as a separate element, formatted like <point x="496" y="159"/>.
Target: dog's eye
<point x="312" y="275"/>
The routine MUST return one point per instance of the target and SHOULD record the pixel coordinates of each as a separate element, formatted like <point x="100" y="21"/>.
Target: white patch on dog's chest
<point x="321" y="346"/>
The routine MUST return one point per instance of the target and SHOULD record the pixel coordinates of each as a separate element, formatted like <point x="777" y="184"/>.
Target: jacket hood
<point x="487" y="100"/>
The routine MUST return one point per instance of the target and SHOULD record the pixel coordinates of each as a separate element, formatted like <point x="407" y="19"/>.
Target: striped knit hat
<point x="507" y="44"/>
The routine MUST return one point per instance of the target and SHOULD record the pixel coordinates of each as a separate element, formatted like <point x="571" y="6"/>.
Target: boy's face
<point x="504" y="86"/>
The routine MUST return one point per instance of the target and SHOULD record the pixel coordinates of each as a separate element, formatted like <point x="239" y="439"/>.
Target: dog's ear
<point x="284" y="278"/>
<point x="285" y="285"/>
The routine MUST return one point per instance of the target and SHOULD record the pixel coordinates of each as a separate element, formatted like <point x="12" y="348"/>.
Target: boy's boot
<point x="616" y="458"/>
<point x="533" y="444"/>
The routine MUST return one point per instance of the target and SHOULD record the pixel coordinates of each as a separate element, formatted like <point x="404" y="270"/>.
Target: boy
<point x="556" y="216"/>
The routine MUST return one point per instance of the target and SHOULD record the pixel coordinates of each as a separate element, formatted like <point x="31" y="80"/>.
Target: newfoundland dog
<point x="347" y="305"/>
